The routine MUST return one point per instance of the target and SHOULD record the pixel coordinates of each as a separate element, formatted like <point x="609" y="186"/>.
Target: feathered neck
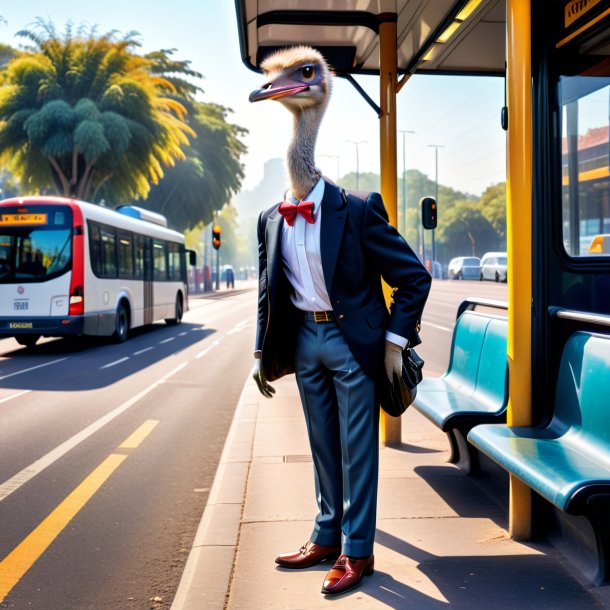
<point x="302" y="171"/>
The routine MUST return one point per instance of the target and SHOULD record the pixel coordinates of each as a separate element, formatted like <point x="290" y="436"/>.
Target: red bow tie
<point x="289" y="211"/>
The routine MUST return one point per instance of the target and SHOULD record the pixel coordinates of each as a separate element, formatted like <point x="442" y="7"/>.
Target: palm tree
<point x="81" y="112"/>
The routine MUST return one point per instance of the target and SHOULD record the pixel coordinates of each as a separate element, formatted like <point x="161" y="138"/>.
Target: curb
<point x="207" y="573"/>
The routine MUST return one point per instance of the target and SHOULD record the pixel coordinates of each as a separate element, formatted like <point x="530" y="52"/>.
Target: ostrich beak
<point x="274" y="90"/>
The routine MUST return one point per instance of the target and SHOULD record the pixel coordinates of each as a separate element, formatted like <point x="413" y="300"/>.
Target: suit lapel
<point x="273" y="240"/>
<point x="334" y="213"/>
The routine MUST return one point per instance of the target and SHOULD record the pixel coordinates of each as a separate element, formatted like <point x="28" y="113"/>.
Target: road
<point x="108" y="452"/>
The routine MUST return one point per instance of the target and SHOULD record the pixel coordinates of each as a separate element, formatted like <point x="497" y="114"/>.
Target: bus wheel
<point x="27" y="340"/>
<point x="178" y="311"/>
<point x="121" y="324"/>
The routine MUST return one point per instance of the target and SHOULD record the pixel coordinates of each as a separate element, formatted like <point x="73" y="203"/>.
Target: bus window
<point x="160" y="260"/>
<point x="142" y="267"/>
<point x="108" y="238"/>
<point x="125" y="242"/>
<point x="585" y="101"/>
<point x="175" y="269"/>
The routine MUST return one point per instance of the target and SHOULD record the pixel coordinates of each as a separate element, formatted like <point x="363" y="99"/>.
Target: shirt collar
<point x="315" y="195"/>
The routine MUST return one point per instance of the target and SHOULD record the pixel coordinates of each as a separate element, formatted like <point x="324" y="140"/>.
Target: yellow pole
<point x="390" y="428"/>
<point x="519" y="242"/>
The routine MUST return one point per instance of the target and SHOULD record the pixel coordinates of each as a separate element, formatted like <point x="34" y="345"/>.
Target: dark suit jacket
<point x="358" y="247"/>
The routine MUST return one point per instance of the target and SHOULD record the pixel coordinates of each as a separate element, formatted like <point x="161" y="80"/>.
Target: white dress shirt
<point x="301" y="256"/>
<point x="302" y="260"/>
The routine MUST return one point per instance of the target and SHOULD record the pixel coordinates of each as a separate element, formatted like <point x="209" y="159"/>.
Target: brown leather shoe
<point x="308" y="555"/>
<point x="347" y="574"/>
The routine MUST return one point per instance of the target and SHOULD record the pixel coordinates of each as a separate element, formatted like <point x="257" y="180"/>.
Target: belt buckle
<point x="320" y="316"/>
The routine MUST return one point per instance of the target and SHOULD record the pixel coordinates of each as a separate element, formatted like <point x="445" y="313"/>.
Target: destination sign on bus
<point x="22" y="219"/>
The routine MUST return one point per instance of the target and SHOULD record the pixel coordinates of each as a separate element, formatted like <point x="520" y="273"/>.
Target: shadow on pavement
<point x="91" y="362"/>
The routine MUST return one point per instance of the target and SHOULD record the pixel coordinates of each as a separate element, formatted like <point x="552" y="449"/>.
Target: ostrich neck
<point x="302" y="171"/>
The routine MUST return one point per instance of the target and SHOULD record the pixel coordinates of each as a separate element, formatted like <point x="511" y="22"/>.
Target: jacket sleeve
<point x="399" y="266"/>
<point x="263" y="295"/>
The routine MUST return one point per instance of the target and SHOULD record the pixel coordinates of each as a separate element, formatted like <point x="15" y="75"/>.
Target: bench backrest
<point x="466" y="346"/>
<point x="582" y="401"/>
<point x="492" y="382"/>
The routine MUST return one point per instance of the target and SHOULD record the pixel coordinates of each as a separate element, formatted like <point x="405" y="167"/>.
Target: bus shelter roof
<point x="434" y="36"/>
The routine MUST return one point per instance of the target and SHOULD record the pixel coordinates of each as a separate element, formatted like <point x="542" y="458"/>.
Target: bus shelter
<point x="392" y="39"/>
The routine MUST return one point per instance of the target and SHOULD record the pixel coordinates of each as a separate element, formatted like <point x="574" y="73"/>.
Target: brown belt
<point x="319" y="317"/>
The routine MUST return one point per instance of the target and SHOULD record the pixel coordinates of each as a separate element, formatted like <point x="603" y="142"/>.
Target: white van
<point x="493" y="266"/>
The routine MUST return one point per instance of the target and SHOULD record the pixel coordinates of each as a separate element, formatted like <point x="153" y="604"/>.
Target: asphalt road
<point x="108" y="452"/>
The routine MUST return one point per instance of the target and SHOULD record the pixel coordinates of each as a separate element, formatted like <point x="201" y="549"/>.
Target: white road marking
<point x="437" y="326"/>
<point x="32" y="368"/>
<point x="238" y="327"/>
<point x="182" y="334"/>
<point x="202" y="353"/>
<point x="107" y="366"/>
<point x="166" y="340"/>
<point x="29" y="472"/>
<point x="7" y="398"/>
<point x="141" y="351"/>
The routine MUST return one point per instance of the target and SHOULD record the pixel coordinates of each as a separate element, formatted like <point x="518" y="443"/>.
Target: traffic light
<point x="216" y="237"/>
<point x="428" y="212"/>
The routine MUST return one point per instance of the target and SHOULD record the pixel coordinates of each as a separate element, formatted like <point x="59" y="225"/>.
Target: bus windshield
<point x="34" y="254"/>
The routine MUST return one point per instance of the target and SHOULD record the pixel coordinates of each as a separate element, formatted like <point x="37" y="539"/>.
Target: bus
<point x="68" y="267"/>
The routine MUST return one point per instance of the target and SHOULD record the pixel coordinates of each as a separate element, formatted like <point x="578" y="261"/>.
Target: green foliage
<point x="209" y="176"/>
<point x="84" y="115"/>
<point x="493" y="207"/>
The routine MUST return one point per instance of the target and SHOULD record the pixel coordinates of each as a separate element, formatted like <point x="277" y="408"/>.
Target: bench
<point x="474" y="388"/>
<point x="567" y="461"/>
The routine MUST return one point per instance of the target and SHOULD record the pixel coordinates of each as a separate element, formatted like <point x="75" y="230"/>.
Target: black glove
<point x="257" y="374"/>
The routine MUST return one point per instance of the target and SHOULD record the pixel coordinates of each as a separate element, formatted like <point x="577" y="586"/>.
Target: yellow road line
<point x="139" y="435"/>
<point x="23" y="557"/>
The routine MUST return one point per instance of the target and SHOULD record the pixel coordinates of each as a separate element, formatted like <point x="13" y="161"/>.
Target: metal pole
<point x="357" y="159"/>
<point x="436" y="147"/>
<point x="405" y="207"/>
<point x="390" y="426"/>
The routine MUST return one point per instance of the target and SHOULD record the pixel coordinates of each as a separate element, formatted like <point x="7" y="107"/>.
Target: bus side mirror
<point x="428" y="212"/>
<point x="192" y="258"/>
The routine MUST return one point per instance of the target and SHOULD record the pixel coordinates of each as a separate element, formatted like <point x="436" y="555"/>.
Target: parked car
<point x="464" y="268"/>
<point x="493" y="266"/>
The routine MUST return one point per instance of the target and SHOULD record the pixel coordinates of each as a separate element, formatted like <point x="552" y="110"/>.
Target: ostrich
<point x="299" y="78"/>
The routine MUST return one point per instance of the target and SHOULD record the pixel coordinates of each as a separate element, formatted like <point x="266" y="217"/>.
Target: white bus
<point x="73" y="268"/>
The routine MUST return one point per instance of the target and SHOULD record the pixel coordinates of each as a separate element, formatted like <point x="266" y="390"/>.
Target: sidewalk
<point x="441" y="541"/>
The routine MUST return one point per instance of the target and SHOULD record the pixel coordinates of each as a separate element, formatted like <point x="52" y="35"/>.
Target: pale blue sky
<point x="463" y="114"/>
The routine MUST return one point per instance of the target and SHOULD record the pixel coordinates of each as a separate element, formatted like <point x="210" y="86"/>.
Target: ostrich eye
<point x="308" y="72"/>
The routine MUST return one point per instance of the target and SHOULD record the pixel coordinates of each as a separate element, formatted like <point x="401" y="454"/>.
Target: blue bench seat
<point x="566" y="461"/>
<point x="474" y="388"/>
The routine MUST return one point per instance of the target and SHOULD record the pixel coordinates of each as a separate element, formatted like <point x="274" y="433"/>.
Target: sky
<point x="461" y="114"/>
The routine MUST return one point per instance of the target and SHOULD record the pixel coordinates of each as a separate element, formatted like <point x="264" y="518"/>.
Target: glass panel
<point x="160" y="260"/>
<point x="125" y="254"/>
<point x="174" y="262"/>
<point x="585" y="148"/>
<point x="37" y="252"/>
<point x="108" y="252"/>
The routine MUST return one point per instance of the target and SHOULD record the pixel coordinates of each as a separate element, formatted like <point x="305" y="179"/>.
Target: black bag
<point x="395" y="397"/>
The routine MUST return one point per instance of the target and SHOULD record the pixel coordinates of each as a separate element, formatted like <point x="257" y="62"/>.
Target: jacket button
<point x="341" y="316"/>
<point x="337" y="301"/>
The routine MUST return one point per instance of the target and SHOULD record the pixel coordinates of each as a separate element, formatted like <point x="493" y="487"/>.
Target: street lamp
<point x="436" y="147"/>
<point x="357" y="158"/>
<point x="404" y="178"/>
<point x="337" y="158"/>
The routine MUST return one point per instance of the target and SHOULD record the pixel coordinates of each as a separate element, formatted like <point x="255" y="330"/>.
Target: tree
<point x="493" y="206"/>
<point x="464" y="231"/>
<point x="209" y="176"/>
<point x="84" y="115"/>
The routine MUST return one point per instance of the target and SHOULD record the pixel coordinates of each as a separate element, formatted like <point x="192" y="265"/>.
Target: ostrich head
<point x="299" y="78"/>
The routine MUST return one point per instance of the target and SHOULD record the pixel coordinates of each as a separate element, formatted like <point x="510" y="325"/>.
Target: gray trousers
<point x="343" y="425"/>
